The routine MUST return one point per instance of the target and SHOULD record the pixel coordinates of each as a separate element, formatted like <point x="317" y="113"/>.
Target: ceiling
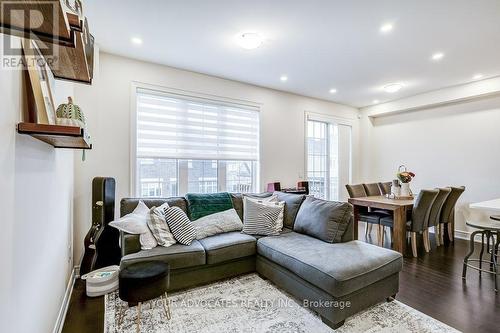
<point x="318" y="45"/>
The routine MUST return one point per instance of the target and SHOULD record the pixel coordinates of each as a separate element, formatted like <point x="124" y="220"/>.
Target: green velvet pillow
<point x="200" y="205"/>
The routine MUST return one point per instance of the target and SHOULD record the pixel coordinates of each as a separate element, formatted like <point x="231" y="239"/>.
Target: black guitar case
<point x="101" y="248"/>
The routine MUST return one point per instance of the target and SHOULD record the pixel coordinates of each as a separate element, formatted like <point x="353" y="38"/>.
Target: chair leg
<point x="379" y="234"/>
<point x="138" y="329"/>
<point x="441" y="233"/>
<point x="121" y="311"/>
<point x="166" y="308"/>
<point x="366" y="229"/>
<point x="471" y="251"/>
<point x="436" y="235"/>
<point x="427" y="241"/>
<point x="450" y="231"/>
<point x="382" y="235"/>
<point x="414" y="243"/>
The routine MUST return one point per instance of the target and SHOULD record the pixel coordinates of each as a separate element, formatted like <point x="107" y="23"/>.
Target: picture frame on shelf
<point x="41" y="82"/>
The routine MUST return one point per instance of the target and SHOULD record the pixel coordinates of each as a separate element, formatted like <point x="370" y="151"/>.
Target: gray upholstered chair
<point x="448" y="213"/>
<point x="435" y="214"/>
<point x="370" y="218"/>
<point x="419" y="222"/>
<point x="372" y="189"/>
<point x="385" y="188"/>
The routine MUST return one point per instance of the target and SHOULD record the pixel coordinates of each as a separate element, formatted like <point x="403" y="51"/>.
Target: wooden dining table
<point x="399" y="208"/>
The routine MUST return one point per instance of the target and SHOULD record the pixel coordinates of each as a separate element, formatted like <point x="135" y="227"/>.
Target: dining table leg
<point x="356" y="221"/>
<point x="399" y="235"/>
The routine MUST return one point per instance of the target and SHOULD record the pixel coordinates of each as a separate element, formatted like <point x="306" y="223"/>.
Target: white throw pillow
<point x="136" y="223"/>
<point x="217" y="223"/>
<point x="261" y="219"/>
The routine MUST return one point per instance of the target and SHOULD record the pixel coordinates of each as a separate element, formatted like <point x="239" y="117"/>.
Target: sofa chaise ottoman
<point x="334" y="279"/>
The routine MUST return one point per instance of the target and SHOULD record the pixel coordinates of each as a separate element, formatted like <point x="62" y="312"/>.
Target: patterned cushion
<point x="180" y="226"/>
<point x="159" y="227"/>
<point x="260" y="218"/>
<point x="218" y="223"/>
<point x="200" y="204"/>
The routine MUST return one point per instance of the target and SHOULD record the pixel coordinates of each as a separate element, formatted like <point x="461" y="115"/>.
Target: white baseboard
<point x="65" y="303"/>
<point x="466" y="235"/>
<point x="462" y="234"/>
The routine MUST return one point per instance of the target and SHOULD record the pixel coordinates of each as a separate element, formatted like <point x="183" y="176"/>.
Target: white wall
<point x="107" y="108"/>
<point x="37" y="216"/>
<point x="449" y="145"/>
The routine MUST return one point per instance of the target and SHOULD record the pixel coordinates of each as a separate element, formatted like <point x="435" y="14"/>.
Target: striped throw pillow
<point x="261" y="219"/>
<point x="180" y="225"/>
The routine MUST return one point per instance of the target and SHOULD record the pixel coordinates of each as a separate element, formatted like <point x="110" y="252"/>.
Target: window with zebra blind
<point x="188" y="144"/>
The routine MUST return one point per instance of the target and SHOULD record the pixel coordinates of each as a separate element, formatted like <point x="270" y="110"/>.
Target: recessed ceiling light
<point x="333" y="91"/>
<point x="249" y="40"/>
<point x="393" y="87"/>
<point x="477" y="76"/>
<point x="387" y="27"/>
<point x="437" y="56"/>
<point x="283" y="78"/>
<point x="136" y="40"/>
<point x="376" y="101"/>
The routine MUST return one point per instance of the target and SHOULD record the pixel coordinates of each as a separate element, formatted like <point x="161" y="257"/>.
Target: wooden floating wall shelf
<point x="56" y="31"/>
<point x="72" y="54"/>
<point x="56" y="135"/>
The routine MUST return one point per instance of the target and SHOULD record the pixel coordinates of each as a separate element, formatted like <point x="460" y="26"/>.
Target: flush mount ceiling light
<point x="136" y="40"/>
<point x="387" y="27"/>
<point x="283" y="78"/>
<point x="437" y="56"/>
<point x="477" y="76"/>
<point x="333" y="91"/>
<point x="393" y="87"/>
<point x="375" y="101"/>
<point x="249" y="40"/>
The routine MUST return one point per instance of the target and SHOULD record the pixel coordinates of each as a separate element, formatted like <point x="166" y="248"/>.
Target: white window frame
<point x="335" y="120"/>
<point x="135" y="85"/>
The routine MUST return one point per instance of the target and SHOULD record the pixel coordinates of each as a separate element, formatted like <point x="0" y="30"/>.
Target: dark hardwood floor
<point x="431" y="283"/>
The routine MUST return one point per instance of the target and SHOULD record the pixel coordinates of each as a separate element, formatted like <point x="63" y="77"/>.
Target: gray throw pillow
<point x="292" y="205"/>
<point x="180" y="225"/>
<point x="325" y="220"/>
<point x="217" y="223"/>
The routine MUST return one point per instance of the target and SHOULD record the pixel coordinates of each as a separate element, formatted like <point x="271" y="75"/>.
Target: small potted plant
<point x="405" y="177"/>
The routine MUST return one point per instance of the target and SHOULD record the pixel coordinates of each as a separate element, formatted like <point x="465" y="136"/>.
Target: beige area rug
<point x="252" y="304"/>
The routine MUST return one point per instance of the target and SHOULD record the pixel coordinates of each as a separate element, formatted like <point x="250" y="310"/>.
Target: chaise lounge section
<point x="334" y="279"/>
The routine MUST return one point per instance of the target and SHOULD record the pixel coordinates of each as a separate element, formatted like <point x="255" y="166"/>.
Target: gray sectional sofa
<point x="334" y="279"/>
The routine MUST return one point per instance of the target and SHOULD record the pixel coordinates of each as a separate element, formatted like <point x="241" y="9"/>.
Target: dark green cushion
<point x="200" y="205"/>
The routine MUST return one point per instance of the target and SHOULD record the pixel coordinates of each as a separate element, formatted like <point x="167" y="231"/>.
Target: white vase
<point x="405" y="189"/>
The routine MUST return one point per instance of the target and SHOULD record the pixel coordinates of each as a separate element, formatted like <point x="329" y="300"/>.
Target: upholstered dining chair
<point x="447" y="217"/>
<point x="372" y="189"/>
<point x="419" y="218"/>
<point x="385" y="188"/>
<point x="435" y="214"/>
<point x="370" y="218"/>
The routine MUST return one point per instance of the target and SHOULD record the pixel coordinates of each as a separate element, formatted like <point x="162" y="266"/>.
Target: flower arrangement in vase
<point x="405" y="177"/>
